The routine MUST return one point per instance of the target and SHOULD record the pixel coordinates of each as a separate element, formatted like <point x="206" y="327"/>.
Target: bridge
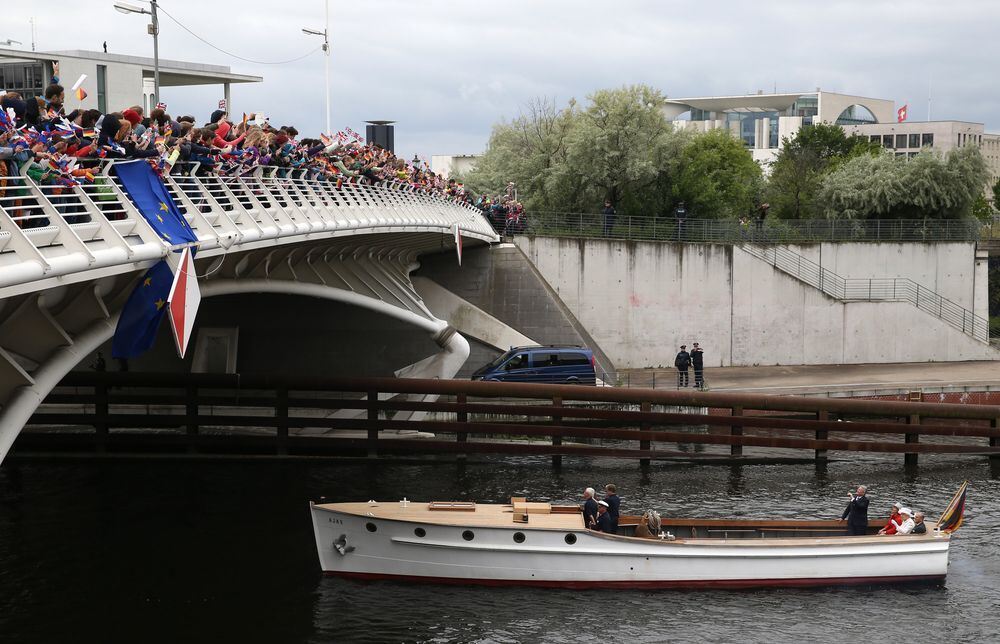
<point x="70" y="257"/>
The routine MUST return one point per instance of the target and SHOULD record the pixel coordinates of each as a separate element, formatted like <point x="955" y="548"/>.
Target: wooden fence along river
<point x="241" y="414"/>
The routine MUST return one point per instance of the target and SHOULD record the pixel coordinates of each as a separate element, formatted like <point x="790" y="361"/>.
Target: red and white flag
<point x="458" y="243"/>
<point x="161" y="105"/>
<point x="183" y="301"/>
<point x="901" y="114"/>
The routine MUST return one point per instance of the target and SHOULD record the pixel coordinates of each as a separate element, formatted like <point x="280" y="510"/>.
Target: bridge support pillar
<point x="556" y="422"/>
<point x="736" y="448"/>
<point x="912" y="438"/>
<point x="822" y="435"/>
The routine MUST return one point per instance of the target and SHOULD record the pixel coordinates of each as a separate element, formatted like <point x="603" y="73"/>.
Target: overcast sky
<point x="446" y="70"/>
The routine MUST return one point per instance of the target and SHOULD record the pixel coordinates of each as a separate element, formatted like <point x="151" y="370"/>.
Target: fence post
<point x="822" y="434"/>
<point x="373" y="423"/>
<point x="869" y="289"/>
<point x="462" y="417"/>
<point x="556" y="424"/>
<point x="644" y="426"/>
<point x="281" y="419"/>
<point x="101" y="414"/>
<point x="912" y="438"/>
<point x="736" y="449"/>
<point x="191" y="414"/>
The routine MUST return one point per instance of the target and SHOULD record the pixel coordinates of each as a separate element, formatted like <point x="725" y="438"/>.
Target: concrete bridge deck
<point x="824" y="379"/>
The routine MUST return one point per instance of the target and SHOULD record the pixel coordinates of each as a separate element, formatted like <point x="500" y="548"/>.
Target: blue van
<point x="552" y="364"/>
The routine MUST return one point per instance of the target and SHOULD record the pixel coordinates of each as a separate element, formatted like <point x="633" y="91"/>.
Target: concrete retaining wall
<point x="641" y="300"/>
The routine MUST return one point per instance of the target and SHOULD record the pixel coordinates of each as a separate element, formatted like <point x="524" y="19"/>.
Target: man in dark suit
<point x="614" y="504"/>
<point x="857" y="513"/>
<point x="589" y="508"/>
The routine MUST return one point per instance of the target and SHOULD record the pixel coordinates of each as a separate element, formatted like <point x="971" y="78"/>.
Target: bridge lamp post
<point x="9" y="42"/>
<point x="326" y="52"/>
<point x="154" y="30"/>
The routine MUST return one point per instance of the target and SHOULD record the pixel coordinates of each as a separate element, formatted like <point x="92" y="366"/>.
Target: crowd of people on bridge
<point x="60" y="147"/>
<point x="504" y="211"/>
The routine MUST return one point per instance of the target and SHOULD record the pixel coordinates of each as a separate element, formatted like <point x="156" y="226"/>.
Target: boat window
<point x="571" y="539"/>
<point x="420" y="532"/>
<point x="518" y="537"/>
<point x="468" y="536"/>
<point x="371" y="527"/>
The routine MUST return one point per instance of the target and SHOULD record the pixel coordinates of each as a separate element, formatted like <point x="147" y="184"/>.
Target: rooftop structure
<point x="763" y="120"/>
<point x="113" y="80"/>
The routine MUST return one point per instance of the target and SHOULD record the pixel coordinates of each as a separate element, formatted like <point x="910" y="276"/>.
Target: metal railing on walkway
<point x="289" y="415"/>
<point x="728" y="231"/>
<point x="891" y="289"/>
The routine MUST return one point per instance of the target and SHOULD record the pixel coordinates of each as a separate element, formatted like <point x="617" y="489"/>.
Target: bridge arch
<point x="25" y="400"/>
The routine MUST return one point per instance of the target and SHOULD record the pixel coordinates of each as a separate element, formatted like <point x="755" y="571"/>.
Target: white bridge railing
<point x="51" y="230"/>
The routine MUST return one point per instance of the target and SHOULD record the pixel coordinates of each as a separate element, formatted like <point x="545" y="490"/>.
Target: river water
<point x="222" y="551"/>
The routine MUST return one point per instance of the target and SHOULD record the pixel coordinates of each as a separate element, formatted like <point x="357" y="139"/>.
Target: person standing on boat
<point x="857" y="513"/>
<point x="614" y="504"/>
<point x="589" y="508"/>
<point x="604" y="523"/>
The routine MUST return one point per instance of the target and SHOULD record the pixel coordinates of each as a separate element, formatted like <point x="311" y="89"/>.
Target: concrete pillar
<point x="229" y="100"/>
<point x="980" y="285"/>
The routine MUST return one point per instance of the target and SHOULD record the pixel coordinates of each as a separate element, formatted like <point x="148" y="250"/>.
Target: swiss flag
<point x="183" y="301"/>
<point x="901" y="114"/>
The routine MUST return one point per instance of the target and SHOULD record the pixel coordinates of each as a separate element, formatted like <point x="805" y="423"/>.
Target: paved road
<point x="830" y="378"/>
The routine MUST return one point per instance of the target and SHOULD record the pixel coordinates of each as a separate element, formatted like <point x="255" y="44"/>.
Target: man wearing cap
<point x="604" y="523"/>
<point x="589" y="508"/>
<point x="697" y="361"/>
<point x="890" y="527"/>
<point x="857" y="513"/>
<point x="907" y="525"/>
<point x="682" y="362"/>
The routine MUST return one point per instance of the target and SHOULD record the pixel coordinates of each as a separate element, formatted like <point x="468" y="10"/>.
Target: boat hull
<point x="577" y="558"/>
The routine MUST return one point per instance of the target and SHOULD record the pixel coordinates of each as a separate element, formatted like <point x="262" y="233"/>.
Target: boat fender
<point x="340" y="545"/>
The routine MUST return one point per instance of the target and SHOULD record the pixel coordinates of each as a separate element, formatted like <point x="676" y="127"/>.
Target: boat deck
<point x="538" y="515"/>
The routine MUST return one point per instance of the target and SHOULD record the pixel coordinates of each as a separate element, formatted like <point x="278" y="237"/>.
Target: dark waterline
<point x="180" y="551"/>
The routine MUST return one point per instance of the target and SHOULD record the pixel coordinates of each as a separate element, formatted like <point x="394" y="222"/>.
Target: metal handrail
<point x="889" y="289"/>
<point x="783" y="231"/>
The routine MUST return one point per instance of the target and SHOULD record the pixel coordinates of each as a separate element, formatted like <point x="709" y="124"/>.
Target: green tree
<point x="884" y="185"/>
<point x="718" y="177"/>
<point x="801" y="164"/>
<point x="996" y="195"/>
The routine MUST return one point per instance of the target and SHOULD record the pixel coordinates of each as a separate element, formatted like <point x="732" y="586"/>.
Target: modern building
<point x="114" y="81"/>
<point x="448" y="164"/>
<point x="763" y="120"/>
<point x="909" y="137"/>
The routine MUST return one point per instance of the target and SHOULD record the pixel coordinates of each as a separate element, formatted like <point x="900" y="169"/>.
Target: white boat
<point x="539" y="544"/>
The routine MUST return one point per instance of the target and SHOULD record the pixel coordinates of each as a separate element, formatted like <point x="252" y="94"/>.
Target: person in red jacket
<point x="221" y="133"/>
<point x="890" y="527"/>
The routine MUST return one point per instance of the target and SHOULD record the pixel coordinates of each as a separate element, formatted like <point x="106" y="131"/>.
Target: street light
<point x="326" y="50"/>
<point x="154" y="31"/>
<point x="9" y="42"/>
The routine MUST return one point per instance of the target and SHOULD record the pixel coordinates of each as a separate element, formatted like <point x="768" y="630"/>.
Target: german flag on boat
<point x="951" y="519"/>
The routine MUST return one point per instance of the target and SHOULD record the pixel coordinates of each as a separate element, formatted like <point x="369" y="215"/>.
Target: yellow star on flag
<point x="159" y="304"/>
<point x="163" y="206"/>
<point x="147" y="281"/>
<point x="159" y="218"/>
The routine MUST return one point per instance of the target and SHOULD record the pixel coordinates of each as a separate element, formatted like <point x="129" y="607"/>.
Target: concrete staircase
<point x="888" y="289"/>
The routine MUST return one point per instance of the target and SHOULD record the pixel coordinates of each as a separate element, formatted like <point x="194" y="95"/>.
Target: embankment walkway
<point x="857" y="379"/>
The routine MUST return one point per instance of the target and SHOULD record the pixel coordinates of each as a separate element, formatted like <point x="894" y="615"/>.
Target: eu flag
<point x="146" y="306"/>
<point x="153" y="200"/>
